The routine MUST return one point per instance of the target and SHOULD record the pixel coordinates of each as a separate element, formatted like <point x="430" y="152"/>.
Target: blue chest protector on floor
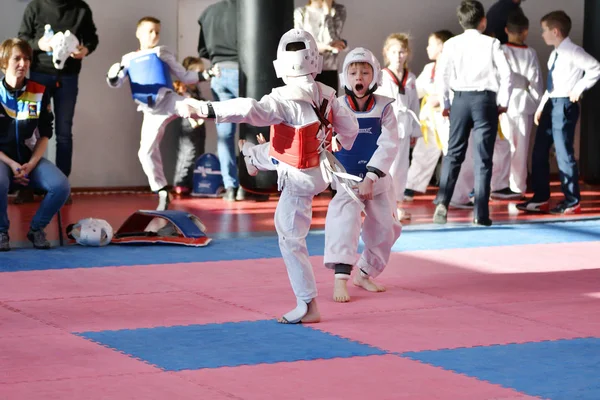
<point x="147" y="75"/>
<point x="166" y="227"/>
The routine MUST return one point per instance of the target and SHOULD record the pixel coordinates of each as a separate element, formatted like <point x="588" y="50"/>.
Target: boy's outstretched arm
<point x="116" y="75"/>
<point x="265" y="112"/>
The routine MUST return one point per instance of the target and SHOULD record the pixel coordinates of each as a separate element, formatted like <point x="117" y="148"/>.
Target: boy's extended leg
<point x="256" y="157"/>
<point x="153" y="130"/>
<point x="292" y="222"/>
<point x="380" y="231"/>
<point x="342" y="232"/>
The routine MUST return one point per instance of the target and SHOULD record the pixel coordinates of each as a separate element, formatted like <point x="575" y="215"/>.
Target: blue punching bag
<point x="261" y="23"/>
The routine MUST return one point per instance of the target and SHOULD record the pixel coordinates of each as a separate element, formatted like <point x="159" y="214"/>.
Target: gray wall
<point x="106" y="128"/>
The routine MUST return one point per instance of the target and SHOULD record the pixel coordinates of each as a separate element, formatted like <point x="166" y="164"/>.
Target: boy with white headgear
<point x="370" y="158"/>
<point x="302" y="115"/>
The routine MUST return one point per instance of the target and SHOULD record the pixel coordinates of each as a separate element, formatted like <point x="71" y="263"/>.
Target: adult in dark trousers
<point x="63" y="84"/>
<point x="470" y="65"/>
<point x="497" y="16"/>
<point x="218" y="43"/>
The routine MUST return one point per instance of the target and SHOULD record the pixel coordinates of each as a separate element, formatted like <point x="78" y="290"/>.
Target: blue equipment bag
<point x="208" y="181"/>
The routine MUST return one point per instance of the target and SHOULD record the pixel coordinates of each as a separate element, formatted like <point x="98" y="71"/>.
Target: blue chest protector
<point x="355" y="160"/>
<point x="147" y="74"/>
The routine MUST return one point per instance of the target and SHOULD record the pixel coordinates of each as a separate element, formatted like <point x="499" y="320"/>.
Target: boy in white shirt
<point x="571" y="72"/>
<point x="469" y="66"/>
<point x="509" y="176"/>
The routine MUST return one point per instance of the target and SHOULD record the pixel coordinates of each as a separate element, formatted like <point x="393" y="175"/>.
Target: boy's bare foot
<point x="340" y="291"/>
<point x="367" y="283"/>
<point x="311" y="316"/>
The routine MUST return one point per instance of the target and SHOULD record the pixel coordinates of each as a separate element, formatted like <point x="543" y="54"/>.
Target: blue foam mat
<point x="561" y="369"/>
<point x="262" y="246"/>
<point x="229" y="344"/>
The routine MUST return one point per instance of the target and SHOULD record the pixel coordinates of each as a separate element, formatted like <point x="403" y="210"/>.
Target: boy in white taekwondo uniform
<point x="398" y="83"/>
<point x="302" y="115"/>
<point x="469" y="66"/>
<point x="509" y="176"/>
<point x="571" y="72"/>
<point x="149" y="71"/>
<point x="370" y="158"/>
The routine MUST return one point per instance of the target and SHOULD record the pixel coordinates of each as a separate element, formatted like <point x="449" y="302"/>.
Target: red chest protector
<point x="300" y="147"/>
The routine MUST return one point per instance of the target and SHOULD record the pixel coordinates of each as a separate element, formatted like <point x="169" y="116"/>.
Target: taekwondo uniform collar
<point x="303" y="88"/>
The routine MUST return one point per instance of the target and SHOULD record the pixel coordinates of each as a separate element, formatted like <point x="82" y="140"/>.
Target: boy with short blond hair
<point x="149" y="71"/>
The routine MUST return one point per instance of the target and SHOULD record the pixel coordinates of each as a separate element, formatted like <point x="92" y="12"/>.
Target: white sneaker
<point x="403" y="215"/>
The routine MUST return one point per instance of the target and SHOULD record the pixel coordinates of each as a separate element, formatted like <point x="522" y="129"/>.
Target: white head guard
<point x="63" y="44"/>
<point x="91" y="232"/>
<point x="301" y="62"/>
<point x="357" y="55"/>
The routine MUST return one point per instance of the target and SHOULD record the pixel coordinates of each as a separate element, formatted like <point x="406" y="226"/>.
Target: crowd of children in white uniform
<point x="359" y="143"/>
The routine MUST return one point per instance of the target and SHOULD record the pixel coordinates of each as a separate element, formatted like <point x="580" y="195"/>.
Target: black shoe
<point x="409" y="194"/>
<point x="4" y="241"/>
<point x="506" y="194"/>
<point x="482" y="222"/>
<point x="229" y="194"/>
<point x="259" y="198"/>
<point x="38" y="238"/>
<point x="563" y="208"/>
<point x="241" y="194"/>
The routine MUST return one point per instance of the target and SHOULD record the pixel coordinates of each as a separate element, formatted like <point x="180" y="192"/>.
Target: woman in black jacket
<point x="25" y="127"/>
